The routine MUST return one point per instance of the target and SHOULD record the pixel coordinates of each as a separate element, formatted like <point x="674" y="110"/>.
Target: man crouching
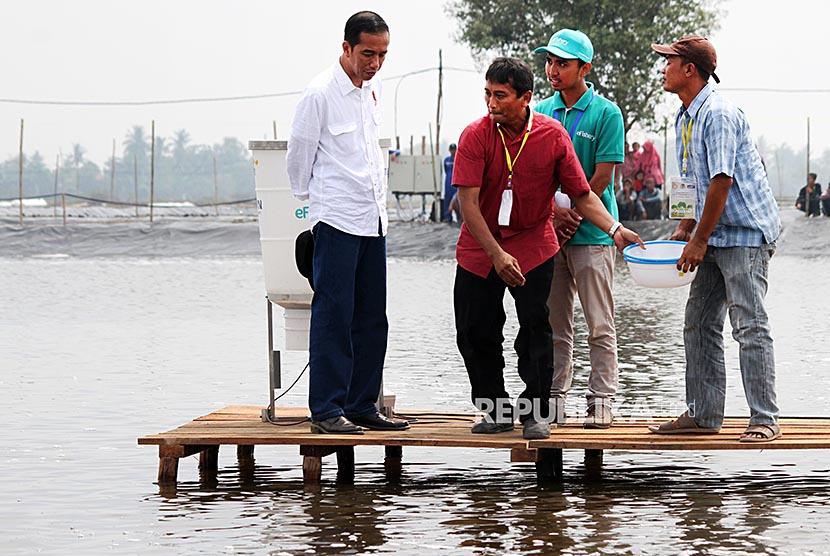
<point x="508" y="167"/>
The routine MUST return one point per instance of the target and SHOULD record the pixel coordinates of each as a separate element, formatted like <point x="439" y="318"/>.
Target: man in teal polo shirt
<point x="585" y="264"/>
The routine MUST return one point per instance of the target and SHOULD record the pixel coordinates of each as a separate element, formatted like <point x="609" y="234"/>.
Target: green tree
<point x="625" y="69"/>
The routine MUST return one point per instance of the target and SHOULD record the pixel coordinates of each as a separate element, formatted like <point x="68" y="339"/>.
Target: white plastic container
<point x="656" y="266"/>
<point x="281" y="219"/>
<point x="297" y="325"/>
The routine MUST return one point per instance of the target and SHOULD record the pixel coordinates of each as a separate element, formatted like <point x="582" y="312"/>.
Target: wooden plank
<point x="241" y="425"/>
<point x="524" y="455"/>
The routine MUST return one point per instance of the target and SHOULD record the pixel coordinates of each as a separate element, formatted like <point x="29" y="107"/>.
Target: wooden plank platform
<point x="242" y="426"/>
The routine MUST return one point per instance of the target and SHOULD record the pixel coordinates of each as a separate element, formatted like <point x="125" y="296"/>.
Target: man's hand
<point x="624" y="237"/>
<point x="565" y="223"/>
<point x="681" y="234"/>
<point x="508" y="269"/>
<point x="692" y="255"/>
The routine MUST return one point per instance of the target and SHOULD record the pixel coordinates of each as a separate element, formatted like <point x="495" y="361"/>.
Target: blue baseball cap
<point x="569" y="45"/>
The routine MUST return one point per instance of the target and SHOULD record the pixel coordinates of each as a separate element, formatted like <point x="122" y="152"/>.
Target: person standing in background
<point x="449" y="190"/>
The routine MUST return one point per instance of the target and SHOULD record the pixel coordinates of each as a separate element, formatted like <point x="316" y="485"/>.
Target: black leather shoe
<point x="378" y="422"/>
<point x="335" y="425"/>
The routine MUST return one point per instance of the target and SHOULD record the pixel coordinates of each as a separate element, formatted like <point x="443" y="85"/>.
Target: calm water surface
<point x="99" y="351"/>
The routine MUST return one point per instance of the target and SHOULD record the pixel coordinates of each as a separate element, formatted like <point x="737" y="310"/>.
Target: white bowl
<point x="656" y="265"/>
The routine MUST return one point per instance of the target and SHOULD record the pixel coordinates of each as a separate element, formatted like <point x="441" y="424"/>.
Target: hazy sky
<point x="110" y="50"/>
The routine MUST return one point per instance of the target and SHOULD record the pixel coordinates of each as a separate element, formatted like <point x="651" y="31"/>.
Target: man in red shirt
<point x="508" y="166"/>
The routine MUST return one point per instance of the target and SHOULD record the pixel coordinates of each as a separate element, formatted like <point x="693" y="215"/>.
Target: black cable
<point x="287" y="390"/>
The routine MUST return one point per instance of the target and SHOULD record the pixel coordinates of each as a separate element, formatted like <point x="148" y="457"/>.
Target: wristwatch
<point x="613" y="230"/>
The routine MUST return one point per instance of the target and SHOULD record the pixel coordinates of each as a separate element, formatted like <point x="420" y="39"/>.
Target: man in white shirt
<point x="335" y="162"/>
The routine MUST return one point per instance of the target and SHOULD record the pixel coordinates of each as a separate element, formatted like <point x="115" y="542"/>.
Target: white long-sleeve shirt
<point x="334" y="159"/>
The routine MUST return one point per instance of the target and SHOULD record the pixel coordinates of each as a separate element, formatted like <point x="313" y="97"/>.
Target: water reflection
<point x="640" y="510"/>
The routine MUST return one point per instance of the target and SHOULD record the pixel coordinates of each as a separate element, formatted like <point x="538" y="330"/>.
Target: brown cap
<point x="697" y="50"/>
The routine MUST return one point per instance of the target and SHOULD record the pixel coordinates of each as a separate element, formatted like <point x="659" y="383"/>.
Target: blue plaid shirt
<point x="721" y="144"/>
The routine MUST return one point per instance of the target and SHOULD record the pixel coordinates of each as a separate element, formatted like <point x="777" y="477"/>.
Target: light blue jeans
<point x="733" y="279"/>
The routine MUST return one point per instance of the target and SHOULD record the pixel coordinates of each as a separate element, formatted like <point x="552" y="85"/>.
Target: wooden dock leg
<point x="313" y="461"/>
<point x="593" y="463"/>
<point x="345" y="465"/>
<point x="549" y="465"/>
<point x="312" y="470"/>
<point x="392" y="462"/>
<point x="244" y="454"/>
<point x="168" y="470"/>
<point x="209" y="460"/>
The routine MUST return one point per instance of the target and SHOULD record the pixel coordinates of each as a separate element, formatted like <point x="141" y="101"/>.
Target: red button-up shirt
<point x="547" y="161"/>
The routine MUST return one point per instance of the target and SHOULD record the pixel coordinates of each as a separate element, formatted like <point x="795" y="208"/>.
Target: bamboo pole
<point x="807" y="204"/>
<point x="152" y="164"/>
<point x="135" y="183"/>
<point x="55" y="201"/>
<point x="216" y="185"/>
<point x="20" y="175"/>
<point x="440" y="101"/>
<point x="112" y="173"/>
<point x="436" y="201"/>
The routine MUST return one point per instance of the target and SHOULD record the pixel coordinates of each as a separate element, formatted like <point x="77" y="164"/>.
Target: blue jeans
<point x="733" y="279"/>
<point x="347" y="343"/>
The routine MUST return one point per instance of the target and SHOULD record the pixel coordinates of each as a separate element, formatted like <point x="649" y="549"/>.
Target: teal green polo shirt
<point x="598" y="137"/>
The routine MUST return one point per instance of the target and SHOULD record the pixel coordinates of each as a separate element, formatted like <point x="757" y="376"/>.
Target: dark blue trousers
<point x="348" y="324"/>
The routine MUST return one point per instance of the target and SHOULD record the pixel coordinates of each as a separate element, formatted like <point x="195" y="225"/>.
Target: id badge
<point x="682" y="198"/>
<point x="506" y="207"/>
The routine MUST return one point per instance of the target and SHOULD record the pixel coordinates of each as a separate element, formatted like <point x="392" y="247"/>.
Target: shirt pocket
<point x="345" y="142"/>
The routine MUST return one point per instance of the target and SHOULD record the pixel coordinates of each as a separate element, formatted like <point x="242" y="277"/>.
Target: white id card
<point x="682" y="198"/>
<point x="506" y="207"/>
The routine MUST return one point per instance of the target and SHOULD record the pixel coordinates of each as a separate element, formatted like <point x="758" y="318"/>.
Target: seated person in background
<point x="809" y="196"/>
<point x="638" y="180"/>
<point x="825" y="202"/>
<point x="652" y="199"/>
<point x="629" y="206"/>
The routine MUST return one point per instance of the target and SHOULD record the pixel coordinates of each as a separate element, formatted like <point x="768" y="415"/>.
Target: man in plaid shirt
<point x="730" y="243"/>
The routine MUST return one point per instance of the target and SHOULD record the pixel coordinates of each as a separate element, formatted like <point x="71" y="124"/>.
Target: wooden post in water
<point x="216" y="182"/>
<point x="152" y="164"/>
<point x="20" y="181"/>
<point x="275" y="129"/>
<point x="55" y="196"/>
<point x="112" y="172"/>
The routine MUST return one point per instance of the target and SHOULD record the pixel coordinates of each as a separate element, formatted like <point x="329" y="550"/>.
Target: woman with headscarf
<point x="651" y="164"/>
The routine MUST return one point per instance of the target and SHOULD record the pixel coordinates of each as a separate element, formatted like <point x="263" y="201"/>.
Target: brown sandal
<point x="768" y="433"/>
<point x="682" y="425"/>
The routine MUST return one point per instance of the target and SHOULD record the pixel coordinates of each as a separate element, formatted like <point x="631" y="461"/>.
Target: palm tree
<point x="77" y="158"/>
<point x="136" y="145"/>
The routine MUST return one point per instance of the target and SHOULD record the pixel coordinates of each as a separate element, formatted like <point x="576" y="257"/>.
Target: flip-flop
<point x="768" y="433"/>
<point x="682" y="425"/>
